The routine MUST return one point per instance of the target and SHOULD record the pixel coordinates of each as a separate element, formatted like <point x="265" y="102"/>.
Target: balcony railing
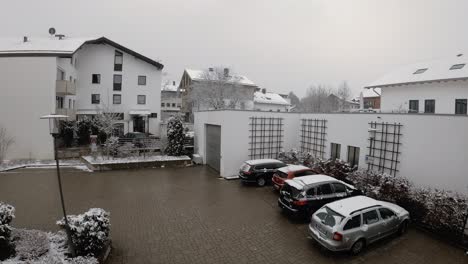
<point x="71" y="113"/>
<point x="64" y="87"/>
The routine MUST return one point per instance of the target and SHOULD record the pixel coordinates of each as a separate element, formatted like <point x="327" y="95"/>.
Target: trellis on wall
<point x="384" y="147"/>
<point x="313" y="136"/>
<point x="266" y="137"/>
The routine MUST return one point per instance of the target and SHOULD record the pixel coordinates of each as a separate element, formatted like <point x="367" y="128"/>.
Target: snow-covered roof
<point x="261" y="161"/>
<point x="346" y="206"/>
<point x="300" y="182"/>
<point x="290" y="168"/>
<point x="169" y="87"/>
<point x="53" y="46"/>
<point x="370" y="92"/>
<point x="452" y="68"/>
<point x="269" y="98"/>
<point x="202" y="75"/>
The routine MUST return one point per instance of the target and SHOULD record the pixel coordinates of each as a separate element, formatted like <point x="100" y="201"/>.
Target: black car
<point x="303" y="196"/>
<point x="259" y="171"/>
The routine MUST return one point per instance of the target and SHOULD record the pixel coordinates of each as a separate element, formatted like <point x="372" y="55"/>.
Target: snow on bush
<point x="111" y="146"/>
<point x="175" y="137"/>
<point x="30" y="244"/>
<point x="7" y="213"/>
<point x="296" y="157"/>
<point x="335" y="168"/>
<point x="90" y="231"/>
<point x="438" y="210"/>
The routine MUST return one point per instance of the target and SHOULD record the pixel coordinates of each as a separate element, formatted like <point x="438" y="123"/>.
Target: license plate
<point x="320" y="229"/>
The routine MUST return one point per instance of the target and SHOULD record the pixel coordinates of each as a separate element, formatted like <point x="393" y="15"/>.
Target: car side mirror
<point x="365" y="228"/>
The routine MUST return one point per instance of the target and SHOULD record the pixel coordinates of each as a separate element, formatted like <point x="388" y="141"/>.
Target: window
<point x="429" y="106"/>
<point x="414" y="106"/>
<point x="354" y="222"/>
<point x="353" y="156"/>
<point x="141" y="80"/>
<point x="69" y="103"/>
<point x="95" y="98"/>
<point x="386" y="213"/>
<point x="60" y="74"/>
<point x="324" y="189"/>
<point x="370" y="217"/>
<point x="118" y="129"/>
<point x="457" y="66"/>
<point x="119" y="116"/>
<point x="118" y="61"/>
<point x="419" y="71"/>
<point x="335" y="151"/>
<point x="117" y="99"/>
<point x="173" y="104"/>
<point x="96" y="78"/>
<point x="141" y="99"/>
<point x="59" y="102"/>
<point x="153" y="115"/>
<point x="117" y="82"/>
<point x="178" y="105"/>
<point x="339" y="188"/>
<point x="460" y="106"/>
<point x="163" y="104"/>
<point x="304" y="173"/>
<point x="310" y="192"/>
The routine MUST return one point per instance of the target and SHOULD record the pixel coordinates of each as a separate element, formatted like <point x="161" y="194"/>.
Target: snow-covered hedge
<point x="441" y="211"/>
<point x="175" y="136"/>
<point x="335" y="168"/>
<point x="90" y="231"/>
<point x="296" y="157"/>
<point x="7" y="213"/>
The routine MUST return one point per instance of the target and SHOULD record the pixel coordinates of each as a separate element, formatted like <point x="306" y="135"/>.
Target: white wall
<point x="99" y="59"/>
<point x="444" y="93"/>
<point x="27" y="93"/>
<point x="433" y="147"/>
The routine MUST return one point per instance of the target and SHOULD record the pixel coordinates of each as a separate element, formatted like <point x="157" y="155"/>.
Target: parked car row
<point x="341" y="218"/>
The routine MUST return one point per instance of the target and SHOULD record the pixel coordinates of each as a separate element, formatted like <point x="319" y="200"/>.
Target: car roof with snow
<point x="292" y="168"/>
<point x="348" y="206"/>
<point x="261" y="161"/>
<point x="300" y="182"/>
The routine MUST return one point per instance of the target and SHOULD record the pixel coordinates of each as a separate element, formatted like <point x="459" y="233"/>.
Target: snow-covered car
<point x="303" y="196"/>
<point x="259" y="171"/>
<point x="290" y="172"/>
<point x="353" y="223"/>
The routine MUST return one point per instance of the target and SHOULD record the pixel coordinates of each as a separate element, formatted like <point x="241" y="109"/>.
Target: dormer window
<point x="419" y="71"/>
<point x="457" y="66"/>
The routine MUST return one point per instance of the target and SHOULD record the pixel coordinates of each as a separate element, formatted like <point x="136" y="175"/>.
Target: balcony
<point x="71" y="113"/>
<point x="64" y="87"/>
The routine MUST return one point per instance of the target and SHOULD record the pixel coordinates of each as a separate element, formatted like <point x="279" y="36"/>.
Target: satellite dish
<point x="52" y="31"/>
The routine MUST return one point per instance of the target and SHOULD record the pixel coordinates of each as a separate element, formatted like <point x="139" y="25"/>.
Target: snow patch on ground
<point x="100" y="160"/>
<point x="42" y="164"/>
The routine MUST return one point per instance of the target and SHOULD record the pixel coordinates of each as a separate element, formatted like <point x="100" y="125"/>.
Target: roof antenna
<point x="52" y="31"/>
<point x="459" y="55"/>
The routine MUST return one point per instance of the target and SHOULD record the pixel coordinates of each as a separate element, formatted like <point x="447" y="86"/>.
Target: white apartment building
<point x="438" y="86"/>
<point x="272" y="102"/>
<point x="76" y="77"/>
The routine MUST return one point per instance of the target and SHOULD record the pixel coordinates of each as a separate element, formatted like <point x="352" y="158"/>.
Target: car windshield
<point x="245" y="167"/>
<point x="329" y="217"/>
<point x="291" y="191"/>
<point x="282" y="174"/>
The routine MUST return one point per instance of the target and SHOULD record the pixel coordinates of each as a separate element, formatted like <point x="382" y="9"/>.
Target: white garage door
<point x="213" y="146"/>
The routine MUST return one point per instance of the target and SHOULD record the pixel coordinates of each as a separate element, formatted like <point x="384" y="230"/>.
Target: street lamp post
<point x="54" y="131"/>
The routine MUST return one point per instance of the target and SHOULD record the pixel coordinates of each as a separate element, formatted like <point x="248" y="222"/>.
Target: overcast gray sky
<point x="282" y="45"/>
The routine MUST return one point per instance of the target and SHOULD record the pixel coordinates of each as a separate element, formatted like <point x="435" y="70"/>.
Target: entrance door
<point x="213" y="146"/>
<point x="138" y="124"/>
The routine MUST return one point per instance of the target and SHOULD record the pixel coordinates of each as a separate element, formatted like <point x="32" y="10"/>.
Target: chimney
<point x="459" y="55"/>
<point x="25" y="39"/>
<point x="210" y="69"/>
<point x="263" y="91"/>
<point x="226" y="72"/>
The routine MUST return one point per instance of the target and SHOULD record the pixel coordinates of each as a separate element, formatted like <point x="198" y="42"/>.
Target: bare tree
<point x="295" y="101"/>
<point x="344" y="94"/>
<point x="317" y="100"/>
<point x="5" y="142"/>
<point x="218" y="89"/>
<point x="105" y="120"/>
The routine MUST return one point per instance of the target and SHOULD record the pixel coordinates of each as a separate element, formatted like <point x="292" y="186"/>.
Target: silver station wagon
<point x="352" y="223"/>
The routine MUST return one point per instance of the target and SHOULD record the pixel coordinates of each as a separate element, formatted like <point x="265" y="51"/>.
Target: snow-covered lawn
<point x="47" y="164"/>
<point x="38" y="247"/>
<point x="102" y="160"/>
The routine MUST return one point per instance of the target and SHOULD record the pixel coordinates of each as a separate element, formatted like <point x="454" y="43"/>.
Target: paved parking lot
<point x="188" y="215"/>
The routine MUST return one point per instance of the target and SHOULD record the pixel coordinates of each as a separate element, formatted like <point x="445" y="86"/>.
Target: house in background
<point x="337" y="104"/>
<point x="77" y="77"/>
<point x="272" y="102"/>
<point x="438" y="86"/>
<point x="215" y="88"/>
<point x="171" y="101"/>
<point x="371" y="98"/>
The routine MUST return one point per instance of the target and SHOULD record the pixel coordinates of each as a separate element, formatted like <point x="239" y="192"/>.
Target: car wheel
<point x="261" y="181"/>
<point x="403" y="228"/>
<point x="358" y="247"/>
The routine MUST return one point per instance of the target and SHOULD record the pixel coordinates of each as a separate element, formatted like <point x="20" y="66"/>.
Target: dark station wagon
<point x="259" y="171"/>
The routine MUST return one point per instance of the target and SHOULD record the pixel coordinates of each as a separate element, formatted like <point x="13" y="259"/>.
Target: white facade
<point x="433" y="147"/>
<point x="444" y="93"/>
<point x="43" y="76"/>
<point x="272" y="102"/>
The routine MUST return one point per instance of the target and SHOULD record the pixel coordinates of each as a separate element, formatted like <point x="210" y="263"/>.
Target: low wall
<point x="121" y="165"/>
